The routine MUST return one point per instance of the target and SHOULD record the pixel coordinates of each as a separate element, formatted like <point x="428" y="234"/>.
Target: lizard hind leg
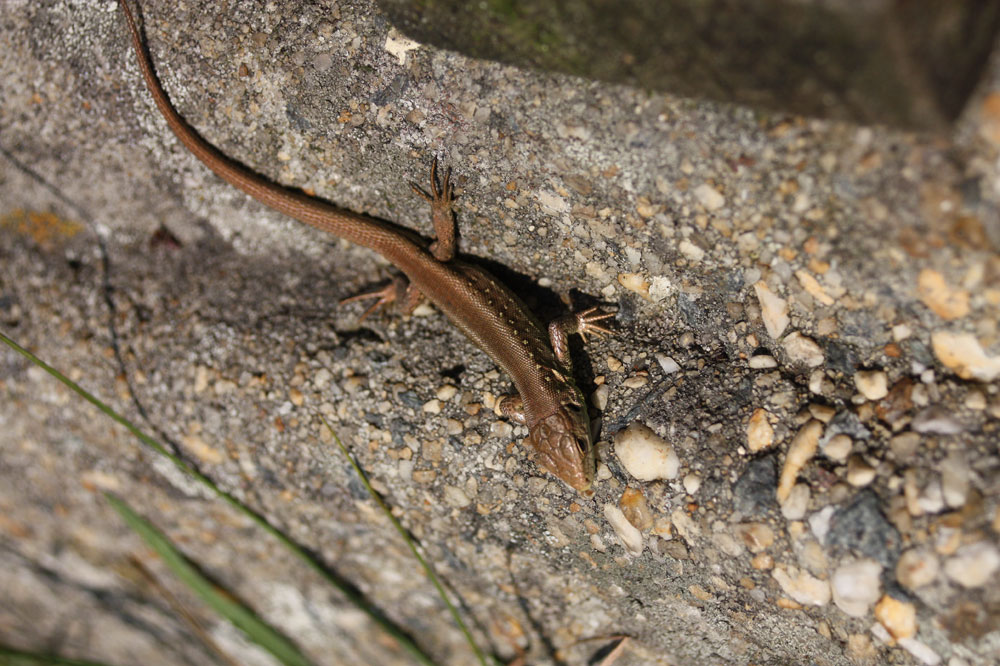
<point x="400" y="291"/>
<point x="441" y="198"/>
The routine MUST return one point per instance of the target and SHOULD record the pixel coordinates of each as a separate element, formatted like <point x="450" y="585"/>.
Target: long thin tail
<point x="361" y="229"/>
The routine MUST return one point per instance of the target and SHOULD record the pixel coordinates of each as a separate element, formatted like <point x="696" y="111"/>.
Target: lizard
<point x="548" y="401"/>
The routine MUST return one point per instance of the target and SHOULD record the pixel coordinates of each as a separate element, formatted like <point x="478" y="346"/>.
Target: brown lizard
<point x="548" y="401"/>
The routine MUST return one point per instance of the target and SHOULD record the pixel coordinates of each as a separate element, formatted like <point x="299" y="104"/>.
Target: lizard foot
<point x="397" y="291"/>
<point x="441" y="198"/>
<point x="586" y="322"/>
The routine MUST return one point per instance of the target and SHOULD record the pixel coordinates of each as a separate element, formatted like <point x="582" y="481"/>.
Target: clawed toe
<point x="587" y="322"/>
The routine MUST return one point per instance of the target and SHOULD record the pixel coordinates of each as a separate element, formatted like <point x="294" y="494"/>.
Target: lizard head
<point x="562" y="444"/>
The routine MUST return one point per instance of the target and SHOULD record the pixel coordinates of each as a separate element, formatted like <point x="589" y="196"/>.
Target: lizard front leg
<point x="442" y="214"/>
<point x="579" y="322"/>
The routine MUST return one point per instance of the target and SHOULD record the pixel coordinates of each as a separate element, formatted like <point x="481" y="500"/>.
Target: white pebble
<point x="802" y="350"/>
<point x="773" y="309"/>
<point x="917" y="567"/>
<point x="800" y="451"/>
<point x="838" y="447"/>
<point x="692" y="482"/>
<point x="599" y="398"/>
<point x="709" y="197"/>
<point x="801" y="586"/>
<point x="856" y="586"/>
<point x="630" y="537"/>
<point x="446" y="392"/>
<point x="794" y="507"/>
<point x="760" y="434"/>
<point x="962" y="353"/>
<point x="762" y="362"/>
<point x="973" y="565"/>
<point x="819" y="522"/>
<point x="645" y="455"/>
<point x="859" y="472"/>
<point x="921" y="651"/>
<point x="668" y="365"/>
<point x="455" y="496"/>
<point x="954" y="479"/>
<point x="873" y="384"/>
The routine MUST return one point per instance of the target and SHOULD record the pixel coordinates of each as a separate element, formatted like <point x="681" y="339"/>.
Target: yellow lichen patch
<point x="43" y="228"/>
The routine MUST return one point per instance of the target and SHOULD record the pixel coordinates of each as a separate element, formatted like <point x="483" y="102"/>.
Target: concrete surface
<point x="807" y="311"/>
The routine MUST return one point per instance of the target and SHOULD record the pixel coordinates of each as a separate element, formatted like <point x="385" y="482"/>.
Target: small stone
<point x="802" y="350"/>
<point x="630" y="537"/>
<point x="917" y="567"/>
<point x="904" y="446"/>
<point x="446" y="392"/>
<point x="973" y="565"/>
<point x="762" y="362"/>
<point x="455" y="496"/>
<point x="762" y="562"/>
<point x="818" y="383"/>
<point x="811" y="554"/>
<point x="794" y="508"/>
<point x="838" y="447"/>
<point x="599" y="398"/>
<point x="811" y="285"/>
<point x="757" y="537"/>
<point x="975" y="400"/>
<point x="800" y="451"/>
<point x="432" y="406"/>
<point x="709" y="197"/>
<point x="773" y="309"/>
<point x="753" y="492"/>
<point x="962" y="353"/>
<point x="667" y="364"/>
<point x="614" y="365"/>
<point x="801" y="586"/>
<point x="635" y="382"/>
<point x="919" y="501"/>
<point x="856" y="586"/>
<point x="636" y="509"/>
<point x="692" y="482"/>
<point x="898" y="617"/>
<point x="760" y="434"/>
<point x="954" y="479"/>
<point x="822" y="412"/>
<point x="936" y="420"/>
<point x="921" y="651"/>
<point x="872" y="384"/>
<point x="685" y="527"/>
<point x="645" y="455"/>
<point x="819" y="522"/>
<point x="636" y="282"/>
<point x="859" y="472"/>
<point x="900" y="332"/>
<point x="940" y="297"/>
<point x="861" y="526"/>
<point x="424" y="475"/>
<point x="691" y="251"/>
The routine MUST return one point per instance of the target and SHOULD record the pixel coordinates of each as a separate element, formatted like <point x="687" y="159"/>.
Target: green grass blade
<point x="242" y="617"/>
<point x="413" y="546"/>
<point x="11" y="657"/>
<point x="352" y="595"/>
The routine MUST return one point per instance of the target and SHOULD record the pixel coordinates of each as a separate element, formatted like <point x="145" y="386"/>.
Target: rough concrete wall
<point x="800" y="309"/>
